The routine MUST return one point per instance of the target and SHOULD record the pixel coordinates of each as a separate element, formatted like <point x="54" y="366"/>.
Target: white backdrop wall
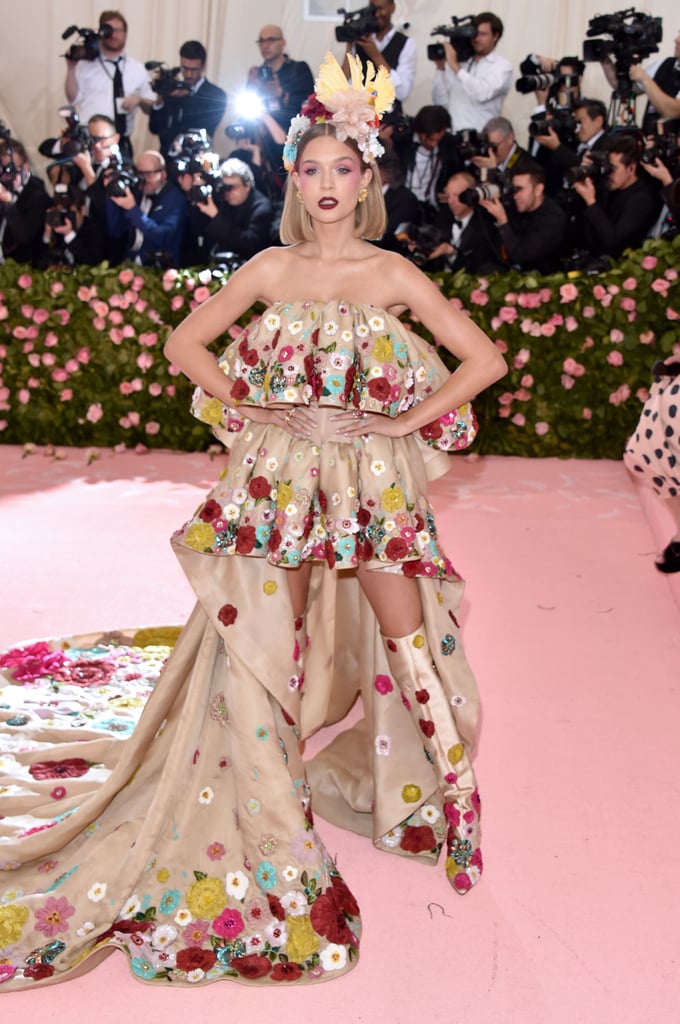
<point x="32" y="72"/>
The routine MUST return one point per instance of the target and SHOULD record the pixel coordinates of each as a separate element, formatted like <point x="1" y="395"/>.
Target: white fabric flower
<point x="333" y="957"/>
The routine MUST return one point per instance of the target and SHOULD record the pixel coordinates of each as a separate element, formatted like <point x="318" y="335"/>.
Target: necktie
<point x="118" y="93"/>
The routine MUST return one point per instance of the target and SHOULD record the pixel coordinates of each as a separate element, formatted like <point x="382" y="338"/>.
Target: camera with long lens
<point x="250" y="106"/>
<point x="86" y="46"/>
<point x="356" y="24"/>
<point x="122" y="178"/>
<point x="400" y="123"/>
<point x="75" y="137"/>
<point x="561" y="121"/>
<point x="63" y="206"/>
<point x="559" y="82"/>
<point x="498" y="185"/>
<point x="164" y="81"/>
<point x="471" y="143"/>
<point x="459" y="33"/>
<point x="664" y="145"/>
<point x="630" y="37"/>
<point x="597" y="167"/>
<point x="419" y="241"/>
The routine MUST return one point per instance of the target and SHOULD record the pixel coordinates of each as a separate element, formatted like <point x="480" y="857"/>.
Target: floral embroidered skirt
<point x="187" y="839"/>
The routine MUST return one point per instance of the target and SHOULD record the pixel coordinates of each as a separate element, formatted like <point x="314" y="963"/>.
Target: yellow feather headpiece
<point x="354" y="108"/>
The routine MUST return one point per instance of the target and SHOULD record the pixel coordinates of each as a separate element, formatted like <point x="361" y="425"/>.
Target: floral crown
<point x="354" y="108"/>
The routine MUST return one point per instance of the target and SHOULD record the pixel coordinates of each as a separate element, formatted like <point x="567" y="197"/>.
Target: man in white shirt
<point x="390" y="49"/>
<point x="474" y="91"/>
<point x="113" y="84"/>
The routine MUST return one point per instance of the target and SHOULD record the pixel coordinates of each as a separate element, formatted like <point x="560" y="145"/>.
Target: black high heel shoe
<point x="670" y="558"/>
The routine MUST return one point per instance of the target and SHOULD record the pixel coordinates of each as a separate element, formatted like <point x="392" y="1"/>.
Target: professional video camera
<point x="460" y="34"/>
<point x="498" y="185"/>
<point x="164" y="81"/>
<point x="87" y="45"/>
<point x="633" y="37"/>
<point x="75" y="137"/>
<point x="356" y="24"/>
<point x="597" y="167"/>
<point x="123" y="177"/>
<point x="471" y="143"/>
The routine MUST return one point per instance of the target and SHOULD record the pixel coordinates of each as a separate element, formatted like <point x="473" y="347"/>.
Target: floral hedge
<point x="81" y="359"/>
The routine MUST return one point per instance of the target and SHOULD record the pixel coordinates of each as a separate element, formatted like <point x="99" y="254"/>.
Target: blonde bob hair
<point x="370" y="217"/>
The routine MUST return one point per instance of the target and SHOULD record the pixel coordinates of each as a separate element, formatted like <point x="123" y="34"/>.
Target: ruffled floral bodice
<point x="337" y="354"/>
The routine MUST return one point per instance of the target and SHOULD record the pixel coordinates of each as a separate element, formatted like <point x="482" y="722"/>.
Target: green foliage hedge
<point x="81" y="358"/>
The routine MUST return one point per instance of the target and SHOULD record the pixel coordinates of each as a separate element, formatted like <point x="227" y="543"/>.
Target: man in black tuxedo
<point x="474" y="243"/>
<point x="199" y="105"/>
<point x="401" y="204"/>
<point x="429" y="156"/>
<point x="23" y="204"/>
<point x="624" y="216"/>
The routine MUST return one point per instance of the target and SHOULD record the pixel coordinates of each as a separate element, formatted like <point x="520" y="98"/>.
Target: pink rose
<point x="501" y="345"/>
<point x="671" y="314"/>
<point x="568" y="292"/>
<point x="66" y="395"/>
<point x="504" y="412"/>
<point x="649" y="262"/>
<point x="567" y="381"/>
<point x="547" y="330"/>
<point x="630" y="284"/>
<point x="628" y="303"/>
<point x="642" y="394"/>
<point x="588" y="343"/>
<point x="511" y="298"/>
<point x="456" y="302"/>
<point x="138" y="283"/>
<point x="83" y="355"/>
<point x="99" y="323"/>
<point x="615" y="358"/>
<point x="587" y="414"/>
<point x="170" y="390"/>
<point x="140" y="305"/>
<point x="201" y="294"/>
<point x="125" y="388"/>
<point x="101" y="308"/>
<point x="599" y="291"/>
<point x="571" y="324"/>
<point x="507" y="314"/>
<point x="72" y="365"/>
<point x="128" y="331"/>
<point x="137" y="384"/>
<point x="542" y="428"/>
<point x="527" y="380"/>
<point x="49" y="359"/>
<point x="24" y="396"/>
<point x="145" y="361"/>
<point x="94" y="413"/>
<point x="125" y="276"/>
<point x="148" y="339"/>
<point x="176" y="302"/>
<point x="671" y="274"/>
<point x="660" y="285"/>
<point x="25" y="281"/>
<point x="115" y="316"/>
<point x="59" y="376"/>
<point x="647" y="337"/>
<point x="152" y="427"/>
<point x="588" y="312"/>
<point x="85" y="294"/>
<point x="155" y="389"/>
<point x="479" y="297"/>
<point x="613" y="289"/>
<point x="621" y="394"/>
<point x="506" y="398"/>
<point x="518" y="419"/>
<point x="56" y="287"/>
<point x="522" y="395"/>
<point x="529" y="300"/>
<point x="545" y="294"/>
<point x="116" y="335"/>
<point x="615" y="336"/>
<point x="40" y="316"/>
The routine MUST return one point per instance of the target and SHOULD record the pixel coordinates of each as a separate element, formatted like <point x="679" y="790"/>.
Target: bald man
<point x="153" y="220"/>
<point x="283" y="85"/>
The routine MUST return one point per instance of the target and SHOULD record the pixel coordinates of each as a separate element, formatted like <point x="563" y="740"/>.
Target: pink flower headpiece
<point x="354" y="108"/>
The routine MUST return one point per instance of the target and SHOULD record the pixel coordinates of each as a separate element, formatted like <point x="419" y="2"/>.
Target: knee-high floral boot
<point x="423" y="694"/>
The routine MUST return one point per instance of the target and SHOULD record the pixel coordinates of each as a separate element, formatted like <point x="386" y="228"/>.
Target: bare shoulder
<point x="269" y="269"/>
<point x="404" y="284"/>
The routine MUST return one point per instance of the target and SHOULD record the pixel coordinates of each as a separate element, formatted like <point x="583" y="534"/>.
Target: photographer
<point x="623" y="218"/>
<point x="474" y="243"/>
<point x="198" y="104"/>
<point x="474" y="90"/>
<point x="233" y="216"/>
<point x="429" y="156"/>
<point x="70" y="236"/>
<point x="401" y="204"/>
<point x="152" y="224"/>
<point x="23" y="204"/>
<point x="113" y="83"/>
<point x="386" y="47"/>
<point x="534" y="230"/>
<point x="504" y="152"/>
<point x="282" y="85"/>
<point x="660" y="82"/>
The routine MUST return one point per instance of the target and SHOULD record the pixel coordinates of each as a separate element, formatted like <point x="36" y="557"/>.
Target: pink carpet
<point x="575" y="641"/>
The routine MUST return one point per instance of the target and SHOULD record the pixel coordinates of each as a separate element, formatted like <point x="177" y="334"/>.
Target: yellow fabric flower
<point x="206" y="898"/>
<point x="392" y="498"/>
<point x="302" y="940"/>
<point x="411" y="793"/>
<point x="418" y="641"/>
<point x="162" y="875"/>
<point x="153" y="636"/>
<point x="199" y="536"/>
<point x="383" y="350"/>
<point x="270" y="587"/>
<point x="12" y="920"/>
<point x="284" y="496"/>
<point x="456" y="753"/>
<point x="211" y="412"/>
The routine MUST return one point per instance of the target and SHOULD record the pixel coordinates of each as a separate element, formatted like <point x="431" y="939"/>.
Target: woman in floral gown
<point x="319" y="576"/>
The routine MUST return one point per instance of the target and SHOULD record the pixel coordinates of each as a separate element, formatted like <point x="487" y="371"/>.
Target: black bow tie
<point x="457" y="223"/>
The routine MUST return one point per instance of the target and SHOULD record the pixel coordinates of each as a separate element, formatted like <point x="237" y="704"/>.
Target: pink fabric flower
<point x="53" y="917"/>
<point x="383" y="684"/>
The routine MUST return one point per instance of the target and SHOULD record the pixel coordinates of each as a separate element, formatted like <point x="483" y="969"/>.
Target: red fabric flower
<point x="417" y="839"/>
<point x="259" y="487"/>
<point x="413" y="568"/>
<point x="426" y="727"/>
<point x="251" y="966"/>
<point x="328" y="918"/>
<point x="396" y="549"/>
<point x="245" y="540"/>
<point x="422" y="696"/>
<point x="195" y="959"/>
<point x="251" y="357"/>
<point x="239" y="391"/>
<point x="86" y="672"/>
<point x="379" y="388"/>
<point x="274" y="542"/>
<point x="286" y="972"/>
<point x="431" y="431"/>
<point x="274" y="902"/>
<point x="227" y="614"/>
<point x="363" y="517"/>
<point x="38" y="971"/>
<point x="420" y="522"/>
<point x="211" y="510"/>
<point x="69" y="768"/>
<point x="345" y="896"/>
